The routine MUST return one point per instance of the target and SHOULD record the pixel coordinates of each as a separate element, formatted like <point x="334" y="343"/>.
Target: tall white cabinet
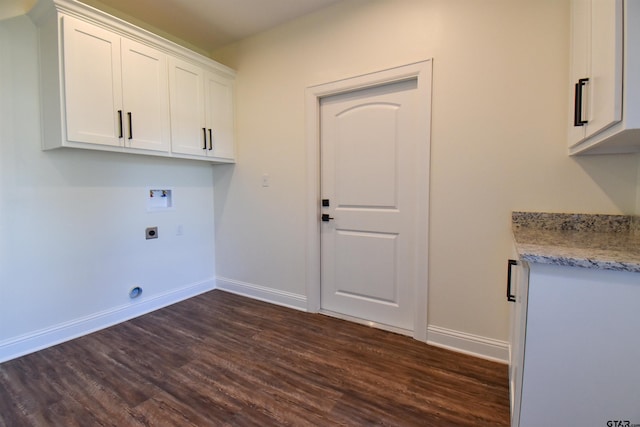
<point x="108" y="85"/>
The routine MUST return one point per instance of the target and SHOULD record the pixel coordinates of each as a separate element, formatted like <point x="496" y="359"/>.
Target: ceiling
<point x="210" y="24"/>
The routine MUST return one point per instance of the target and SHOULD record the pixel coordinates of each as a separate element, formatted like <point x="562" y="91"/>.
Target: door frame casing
<point x="422" y="72"/>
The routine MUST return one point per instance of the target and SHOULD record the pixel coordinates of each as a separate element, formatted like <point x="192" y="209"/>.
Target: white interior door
<point x="369" y="143"/>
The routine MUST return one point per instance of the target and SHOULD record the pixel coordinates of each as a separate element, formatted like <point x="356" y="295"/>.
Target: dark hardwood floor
<point x="223" y="360"/>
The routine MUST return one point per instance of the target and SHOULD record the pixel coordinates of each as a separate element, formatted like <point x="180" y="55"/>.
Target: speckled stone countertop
<point x="607" y="242"/>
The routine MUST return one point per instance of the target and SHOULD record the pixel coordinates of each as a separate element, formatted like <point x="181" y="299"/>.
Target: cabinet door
<point x="220" y="115"/>
<point x="186" y="87"/>
<point x="145" y="97"/>
<point x="582" y="347"/>
<point x="520" y="288"/>
<point x="580" y="57"/>
<point x="92" y="83"/>
<point x="596" y="55"/>
<point x="605" y="79"/>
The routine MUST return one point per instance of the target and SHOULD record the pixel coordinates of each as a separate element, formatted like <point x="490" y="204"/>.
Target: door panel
<point x="367" y="179"/>
<point x="368" y="167"/>
<point x="144" y="85"/>
<point x="220" y="115"/>
<point x="606" y="66"/>
<point x="596" y="54"/>
<point x="93" y="89"/>
<point x="362" y="270"/>
<point x="186" y="86"/>
<point x="580" y="56"/>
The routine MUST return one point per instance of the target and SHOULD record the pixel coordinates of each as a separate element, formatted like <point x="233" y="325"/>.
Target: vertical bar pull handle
<point x="204" y="138"/>
<point x="510" y="297"/>
<point x="120" y="123"/>
<point x="210" y="140"/>
<point x="577" y="103"/>
<point x="130" y="126"/>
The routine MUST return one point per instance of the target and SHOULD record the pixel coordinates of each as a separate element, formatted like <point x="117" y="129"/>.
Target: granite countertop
<point x="607" y="242"/>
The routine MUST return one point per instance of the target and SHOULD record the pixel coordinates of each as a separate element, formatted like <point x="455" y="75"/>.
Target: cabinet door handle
<point x="510" y="297"/>
<point x="204" y="138"/>
<point x="120" y="122"/>
<point x="210" y="140"/>
<point x="577" y="103"/>
<point x="130" y="125"/>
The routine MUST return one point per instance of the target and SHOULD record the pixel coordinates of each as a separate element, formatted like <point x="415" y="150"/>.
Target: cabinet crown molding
<point x="45" y="10"/>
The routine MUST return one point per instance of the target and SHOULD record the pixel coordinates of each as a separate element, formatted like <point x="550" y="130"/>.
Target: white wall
<point x="72" y="222"/>
<point x="11" y="8"/>
<point x="498" y="141"/>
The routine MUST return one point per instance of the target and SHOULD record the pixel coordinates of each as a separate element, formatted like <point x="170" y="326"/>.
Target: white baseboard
<point x="262" y="293"/>
<point x="474" y="345"/>
<point x="461" y="342"/>
<point x="29" y="343"/>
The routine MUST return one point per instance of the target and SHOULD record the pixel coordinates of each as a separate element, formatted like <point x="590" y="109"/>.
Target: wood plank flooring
<point x="223" y="360"/>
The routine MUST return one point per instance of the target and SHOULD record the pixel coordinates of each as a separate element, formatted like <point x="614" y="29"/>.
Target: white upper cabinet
<point x="220" y="115"/>
<point x="108" y="85"/>
<point x="605" y="55"/>
<point x="145" y="97"/>
<point x="92" y="88"/>
<point x="115" y="90"/>
<point x="202" y="119"/>
<point x="596" y="67"/>
<point x="188" y="126"/>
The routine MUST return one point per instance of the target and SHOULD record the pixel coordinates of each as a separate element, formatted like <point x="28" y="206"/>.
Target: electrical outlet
<point x="151" y="233"/>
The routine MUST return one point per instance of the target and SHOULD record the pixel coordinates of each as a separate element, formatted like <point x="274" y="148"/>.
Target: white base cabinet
<point x="517" y="293"/>
<point x="581" y="348"/>
<point x="105" y="85"/>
